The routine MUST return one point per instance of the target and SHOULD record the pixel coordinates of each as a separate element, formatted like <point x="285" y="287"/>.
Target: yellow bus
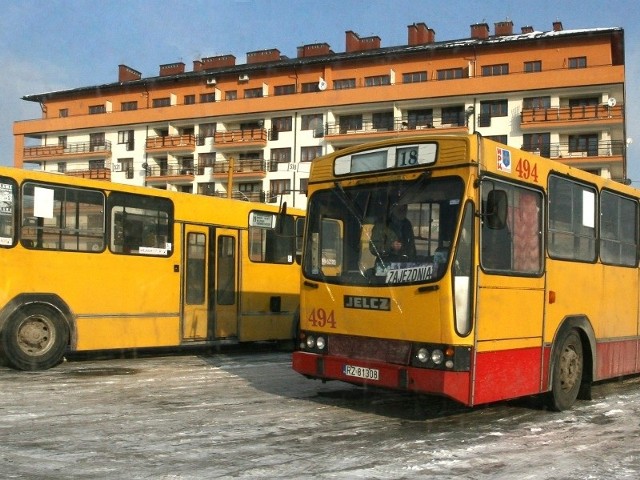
<point x="517" y="276"/>
<point x="93" y="265"/>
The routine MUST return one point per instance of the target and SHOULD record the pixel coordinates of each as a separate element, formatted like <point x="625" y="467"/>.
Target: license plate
<point x="362" y="372"/>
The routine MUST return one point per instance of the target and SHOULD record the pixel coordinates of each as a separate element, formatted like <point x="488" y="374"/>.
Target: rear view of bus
<point x="387" y="284"/>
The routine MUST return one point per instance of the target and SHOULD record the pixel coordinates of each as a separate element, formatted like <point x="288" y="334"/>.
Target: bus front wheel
<point x="568" y="364"/>
<point x="34" y="338"/>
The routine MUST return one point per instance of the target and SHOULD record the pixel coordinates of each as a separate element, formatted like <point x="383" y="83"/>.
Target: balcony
<point x="254" y="168"/>
<point x="170" y="173"/>
<point x="557" y="116"/>
<point x="246" y="196"/>
<point x="92" y="173"/>
<point x="338" y="133"/>
<point x="247" y="138"/>
<point x="68" y="151"/>
<point x="171" y="143"/>
<point x="605" y="150"/>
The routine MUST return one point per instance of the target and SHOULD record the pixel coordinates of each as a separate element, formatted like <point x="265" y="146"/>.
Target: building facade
<point x="251" y="130"/>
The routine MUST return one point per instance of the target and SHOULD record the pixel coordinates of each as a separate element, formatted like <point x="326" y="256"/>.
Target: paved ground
<point x="248" y="415"/>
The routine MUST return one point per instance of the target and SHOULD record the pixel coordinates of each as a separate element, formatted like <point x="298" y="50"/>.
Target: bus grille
<point x="391" y="351"/>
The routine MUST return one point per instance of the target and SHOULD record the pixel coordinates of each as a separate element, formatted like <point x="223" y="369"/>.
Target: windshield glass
<point x="387" y="233"/>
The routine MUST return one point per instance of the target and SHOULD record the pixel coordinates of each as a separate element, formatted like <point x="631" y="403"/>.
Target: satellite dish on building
<point x="322" y="84"/>
<point x="611" y="102"/>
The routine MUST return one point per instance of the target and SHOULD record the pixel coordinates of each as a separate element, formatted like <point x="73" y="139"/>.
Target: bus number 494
<point x="320" y="318"/>
<point x="526" y="170"/>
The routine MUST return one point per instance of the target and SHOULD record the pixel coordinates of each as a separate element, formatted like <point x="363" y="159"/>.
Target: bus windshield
<point x="396" y="232"/>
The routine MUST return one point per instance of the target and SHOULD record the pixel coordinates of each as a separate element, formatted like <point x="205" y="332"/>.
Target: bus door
<point x="195" y="279"/>
<point x="510" y="293"/>
<point x="225" y="277"/>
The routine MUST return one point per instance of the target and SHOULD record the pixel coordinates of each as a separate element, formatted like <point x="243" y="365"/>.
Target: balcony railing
<point x="566" y="150"/>
<point x="240" y="166"/>
<point x="171" y="142"/>
<point x="394" y="125"/>
<point x="246" y="196"/>
<point x="58" y="151"/>
<point x="567" y="114"/>
<point x="170" y="171"/>
<point x="92" y="173"/>
<point x="249" y="135"/>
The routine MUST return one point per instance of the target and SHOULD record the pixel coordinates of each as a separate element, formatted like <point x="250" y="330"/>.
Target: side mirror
<point x="496" y="212"/>
<point x="282" y="214"/>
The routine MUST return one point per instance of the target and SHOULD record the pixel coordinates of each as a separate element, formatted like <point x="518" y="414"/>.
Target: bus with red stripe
<point x="458" y="266"/>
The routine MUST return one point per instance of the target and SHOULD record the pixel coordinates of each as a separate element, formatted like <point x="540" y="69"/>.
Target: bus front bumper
<point x="455" y="385"/>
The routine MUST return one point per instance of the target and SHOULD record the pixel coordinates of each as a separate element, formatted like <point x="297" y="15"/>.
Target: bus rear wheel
<point x="568" y="364"/>
<point x="35" y="338"/>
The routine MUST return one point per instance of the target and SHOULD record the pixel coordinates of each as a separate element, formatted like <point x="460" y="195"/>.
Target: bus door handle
<point x="310" y="284"/>
<point x="428" y="288"/>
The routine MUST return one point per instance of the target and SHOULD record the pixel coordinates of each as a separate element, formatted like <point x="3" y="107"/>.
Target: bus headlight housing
<point x="423" y="355"/>
<point x="441" y="357"/>
<point x="313" y="342"/>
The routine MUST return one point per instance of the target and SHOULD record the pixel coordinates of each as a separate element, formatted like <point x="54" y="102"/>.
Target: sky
<point x="48" y="45"/>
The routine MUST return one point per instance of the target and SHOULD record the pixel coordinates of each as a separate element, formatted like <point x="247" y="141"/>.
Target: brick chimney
<point x="356" y="44"/>
<point x="209" y="63"/>
<point x="420" y="34"/>
<point x="503" y="29"/>
<point x="557" y="26"/>
<point x="171" y="69"/>
<point x="314" y="50"/>
<point x="527" y="29"/>
<point x="480" y="31"/>
<point x="261" y="56"/>
<point x="128" y="74"/>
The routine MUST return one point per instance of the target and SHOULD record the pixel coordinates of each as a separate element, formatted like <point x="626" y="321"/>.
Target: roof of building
<point x="285" y="62"/>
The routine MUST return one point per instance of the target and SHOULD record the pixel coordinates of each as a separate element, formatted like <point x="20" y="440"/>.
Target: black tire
<point x="34" y="338"/>
<point x="568" y="365"/>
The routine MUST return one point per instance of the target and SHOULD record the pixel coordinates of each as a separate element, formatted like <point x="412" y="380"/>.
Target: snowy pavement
<point x="248" y="415"/>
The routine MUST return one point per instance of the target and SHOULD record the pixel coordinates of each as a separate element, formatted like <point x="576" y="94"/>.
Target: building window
<point x="578" y="62"/>
<point x="534" y="66"/>
<point x="63" y="112"/>
<point x="207" y="188"/>
<point x="281" y="124"/>
<point x="307" y="154"/>
<point x="62" y="167"/>
<point x="453" y="116"/>
<point x="585" y="144"/>
<point x="207" y="129"/>
<point x="538" y="143"/>
<point x="96" y="141"/>
<point x="231" y="95"/>
<point x="62" y="141"/>
<point x="189" y="99"/>
<point x="253" y="92"/>
<point x="125" y="137"/>
<point x="414" y="77"/>
<point x="94" y="109"/>
<point x="280" y="155"/>
<point x="311" y="122"/>
<point x="536" y="102"/>
<point x="493" y="108"/>
<point x="304" y="185"/>
<point x="207" y="97"/>
<point x="309" y="87"/>
<point x="278" y="187"/>
<point x="350" y="122"/>
<point x="128" y="106"/>
<point x="450" y="73"/>
<point x="498" y="138"/>
<point x="344" y="84"/>
<point x="493" y="70"/>
<point x="126" y="165"/>
<point x="377" y="81"/>
<point x="284" y="89"/>
<point x="382" y="120"/>
<point x="96" y="164"/>
<point x="420" y="118"/>
<point x="161" y="102"/>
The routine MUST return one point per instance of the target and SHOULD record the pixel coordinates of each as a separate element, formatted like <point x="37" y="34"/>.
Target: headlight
<point x="422" y="355"/>
<point x="437" y="356"/>
<point x="320" y="343"/>
<point x="311" y="341"/>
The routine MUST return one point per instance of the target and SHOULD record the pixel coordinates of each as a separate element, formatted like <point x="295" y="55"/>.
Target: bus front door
<point x="225" y="281"/>
<point x="195" y="279"/>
